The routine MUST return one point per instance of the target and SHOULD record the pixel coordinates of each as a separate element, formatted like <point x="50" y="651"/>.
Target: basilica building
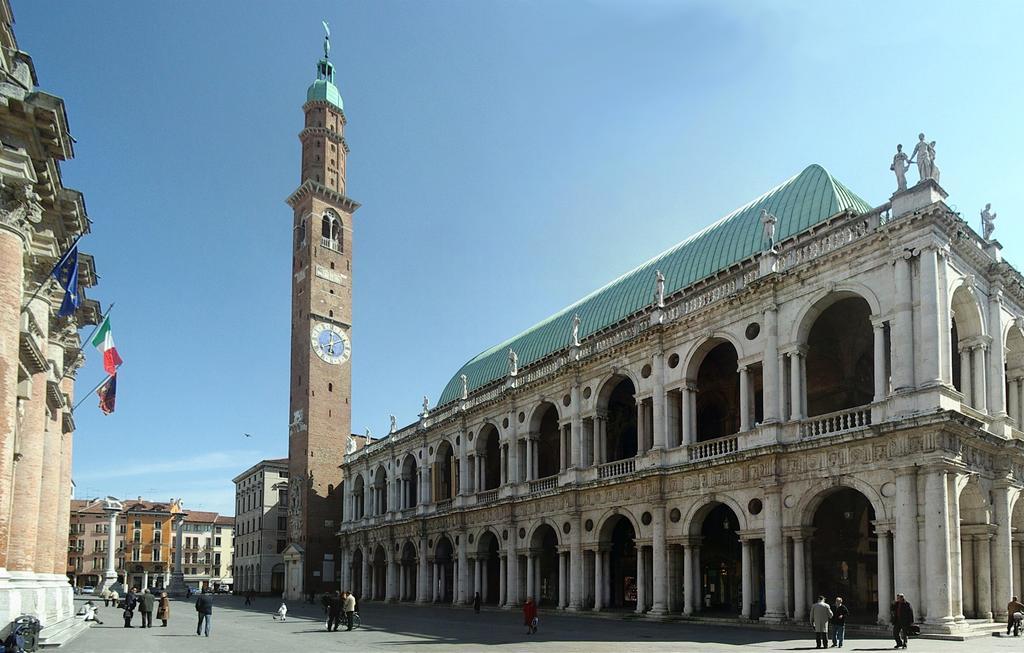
<point x="813" y="395"/>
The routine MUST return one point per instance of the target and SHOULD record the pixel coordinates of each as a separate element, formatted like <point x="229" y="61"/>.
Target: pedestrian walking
<point x="146" y="602"/>
<point x="530" y="619"/>
<point x="105" y="595"/>
<point x="1014" y="614"/>
<point x="114" y="598"/>
<point x="839" y="614"/>
<point x="282" y="612"/>
<point x="204" y="608"/>
<point x="334" y="605"/>
<point x="902" y="616"/>
<point x="249" y="597"/>
<point x="349" y="608"/>
<point x="476" y="603"/>
<point x="820" y="616"/>
<point x="163" y="611"/>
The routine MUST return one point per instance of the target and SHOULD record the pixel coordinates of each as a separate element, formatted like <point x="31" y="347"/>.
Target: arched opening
<point x="378" y="575"/>
<point x="720" y="562"/>
<point x="844" y="554"/>
<point x="409" y="490"/>
<point x="488" y="458"/>
<point x="967" y="347"/>
<point x="1014" y="376"/>
<point x="544" y="429"/>
<point x="277" y="578"/>
<point x="619" y="430"/>
<point x="442" y="473"/>
<point x="380" y="491"/>
<point x="358" y="498"/>
<point x="975" y="551"/>
<point x="718" y="393"/>
<point x="356" y="574"/>
<point x="544" y="551"/>
<point x="444" y="571"/>
<point x="840" y="358"/>
<point x="619" y="575"/>
<point x="330" y="232"/>
<point x="408" y="573"/>
<point x="488" y="551"/>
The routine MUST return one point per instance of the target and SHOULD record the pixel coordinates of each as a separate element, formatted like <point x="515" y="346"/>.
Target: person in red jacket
<point x="530" y="616"/>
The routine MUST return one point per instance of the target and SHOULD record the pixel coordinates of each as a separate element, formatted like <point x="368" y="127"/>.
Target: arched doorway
<point x="545" y="429"/>
<point x="1014" y="375"/>
<point x="544" y="551"/>
<point x="379" y="575"/>
<point x="718" y="392"/>
<point x="442" y="473"/>
<point x="840" y="358"/>
<point x="408" y="569"/>
<point x="488" y="458"/>
<point x="410" y="486"/>
<point x="277" y="578"/>
<point x="358" y="498"/>
<point x="976" y="526"/>
<point x="619" y="575"/>
<point x="721" y="563"/>
<point x="380" y="493"/>
<point x="844" y="554"/>
<point x="444" y="573"/>
<point x="620" y="427"/>
<point x="488" y="552"/>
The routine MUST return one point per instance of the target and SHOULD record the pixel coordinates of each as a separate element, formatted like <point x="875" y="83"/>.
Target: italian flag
<point x="104" y="341"/>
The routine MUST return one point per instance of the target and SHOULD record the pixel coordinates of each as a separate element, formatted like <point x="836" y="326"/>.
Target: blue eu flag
<point x="66" y="274"/>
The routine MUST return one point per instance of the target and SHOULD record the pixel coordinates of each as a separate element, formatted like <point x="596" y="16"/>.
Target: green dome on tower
<point x="323" y="88"/>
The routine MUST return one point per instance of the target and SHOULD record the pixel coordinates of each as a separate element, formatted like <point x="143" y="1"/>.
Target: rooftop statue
<point x="988" y="222"/>
<point x="426" y="406"/>
<point x="350" y="446"/>
<point x="327" y="39"/>
<point x="576" y="330"/>
<point x="925" y="158"/>
<point x="900" y="165"/>
<point x="513" y="363"/>
<point x="394" y="423"/>
<point x="768" y="221"/>
<point x="465" y="387"/>
<point x="935" y="167"/>
<point x="659" y="289"/>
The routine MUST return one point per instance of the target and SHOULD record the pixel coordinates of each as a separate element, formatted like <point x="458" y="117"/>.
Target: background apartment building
<point x="261" y="526"/>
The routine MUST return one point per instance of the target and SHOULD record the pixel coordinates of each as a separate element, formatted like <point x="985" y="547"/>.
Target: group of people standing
<point x="145" y="602"/>
<point x="335" y="604"/>
<point x="828" y="619"/>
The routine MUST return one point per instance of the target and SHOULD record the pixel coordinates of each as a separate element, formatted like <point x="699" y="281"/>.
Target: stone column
<point x="744" y="398"/>
<point x="1002" y="551"/>
<point x="513" y="448"/>
<point x="463" y="458"/>
<point x="881" y="374"/>
<point x="64" y="518"/>
<point x="530" y="589"/>
<point x="997" y="359"/>
<point x="658" y="403"/>
<point x="799" y="582"/>
<point x="389" y="579"/>
<point x="970" y="602"/>
<point x="1014" y="401"/>
<point x="577" y="427"/>
<point x="529" y="459"/>
<point x="641" y="579"/>
<point x="463" y="572"/>
<point x="783" y="388"/>
<point x="980" y="383"/>
<point x="903" y="329"/>
<point x="746" y="573"/>
<point x="12" y="278"/>
<point x="770" y="365"/>
<point x="177" y="586"/>
<point x="775" y="608"/>
<point x="955" y="554"/>
<point x="112" y="509"/>
<point x="503" y="453"/>
<point x="906" y="559"/>
<point x="502" y="585"/>
<point x="796" y="408"/>
<point x="936" y="521"/>
<point x="659" y="563"/>
<point x="686" y="420"/>
<point x="575" y="565"/>
<point x="983" y="580"/>
<point x="50" y="481"/>
<point x="600" y="423"/>
<point x="966" y="372"/>
<point x="563" y="580"/>
<point x="512" y="567"/>
<point x="477" y="579"/>
<point x="928" y="355"/>
<point x="598" y="579"/>
<point x="884" y="576"/>
<point x="689" y="582"/>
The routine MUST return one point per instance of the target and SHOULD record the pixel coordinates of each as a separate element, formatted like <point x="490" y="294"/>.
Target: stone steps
<point x="62" y="632"/>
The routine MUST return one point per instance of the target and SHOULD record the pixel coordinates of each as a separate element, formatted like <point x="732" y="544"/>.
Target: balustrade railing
<point x="443" y="504"/>
<point x="487" y="496"/>
<point x="329" y="243"/>
<point x="617" y="468"/>
<point x="837" y="422"/>
<point x="543" y="484"/>
<point x="714" y="448"/>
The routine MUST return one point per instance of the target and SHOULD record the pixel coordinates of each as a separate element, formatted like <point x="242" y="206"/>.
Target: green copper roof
<point x="323" y="88"/>
<point x="799" y="203"/>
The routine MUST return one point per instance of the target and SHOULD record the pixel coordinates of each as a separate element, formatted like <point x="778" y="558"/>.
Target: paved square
<point x="408" y="628"/>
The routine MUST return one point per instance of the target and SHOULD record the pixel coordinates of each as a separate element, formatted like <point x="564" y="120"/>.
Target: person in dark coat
<point x="1014" y="613"/>
<point x="204" y="608"/>
<point x="130" y="601"/>
<point x="902" y="615"/>
<point x="146" y="602"/>
<point x="476" y="603"/>
<point x="838" y="622"/>
<point x="334" y="605"/>
<point x="530" y="616"/>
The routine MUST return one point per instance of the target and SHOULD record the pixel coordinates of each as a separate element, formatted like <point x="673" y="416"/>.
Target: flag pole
<point x="89" y="394"/>
<point x="89" y="339"/>
<point x="49" y="277"/>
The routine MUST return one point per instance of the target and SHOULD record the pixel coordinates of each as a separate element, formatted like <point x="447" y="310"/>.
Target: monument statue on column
<point x="177" y="586"/>
<point x="113" y="508"/>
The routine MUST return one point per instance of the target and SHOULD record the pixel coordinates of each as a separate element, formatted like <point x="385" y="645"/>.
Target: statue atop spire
<point x="327" y="39"/>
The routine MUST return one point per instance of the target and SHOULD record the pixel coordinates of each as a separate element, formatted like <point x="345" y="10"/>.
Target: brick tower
<point x="321" y="379"/>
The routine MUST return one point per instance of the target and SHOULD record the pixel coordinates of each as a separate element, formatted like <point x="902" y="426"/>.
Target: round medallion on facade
<point x="645" y="518"/>
<point x="504" y="423"/>
<point x="470" y="538"/>
<point x="673" y="361"/>
<point x="754" y="506"/>
<point x="888" y="489"/>
<point x="753" y="330"/>
<point x="430" y="543"/>
<point x="674" y="516"/>
<point x="645" y="371"/>
<point x="330" y="343"/>
<point x="589" y="525"/>
<point x="566" y="400"/>
<point x="586" y="392"/>
<point x="566" y="527"/>
<point x="522" y="533"/>
<point x="522" y="417"/>
<point x="504" y="534"/>
<point x="789" y="501"/>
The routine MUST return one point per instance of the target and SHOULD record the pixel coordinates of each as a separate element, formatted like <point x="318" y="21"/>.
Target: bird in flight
<point x="247" y="435"/>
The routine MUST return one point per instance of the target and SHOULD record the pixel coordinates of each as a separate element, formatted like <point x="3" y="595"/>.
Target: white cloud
<point x="233" y="461"/>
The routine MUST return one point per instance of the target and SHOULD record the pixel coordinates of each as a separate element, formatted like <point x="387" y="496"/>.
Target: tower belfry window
<point x="330" y="232"/>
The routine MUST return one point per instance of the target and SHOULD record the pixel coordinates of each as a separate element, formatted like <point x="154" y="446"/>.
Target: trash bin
<point x="29" y="627"/>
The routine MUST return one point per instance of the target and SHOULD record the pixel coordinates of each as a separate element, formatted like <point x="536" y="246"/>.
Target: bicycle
<point x="356" y="621"/>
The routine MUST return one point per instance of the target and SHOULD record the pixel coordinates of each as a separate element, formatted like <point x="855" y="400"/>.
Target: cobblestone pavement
<point x="236" y="627"/>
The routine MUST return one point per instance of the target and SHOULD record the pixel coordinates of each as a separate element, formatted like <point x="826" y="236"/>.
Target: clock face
<point x="330" y="343"/>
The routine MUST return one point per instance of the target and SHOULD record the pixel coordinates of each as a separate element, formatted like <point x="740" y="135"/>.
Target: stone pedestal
<point x="917" y="197"/>
<point x="177" y="587"/>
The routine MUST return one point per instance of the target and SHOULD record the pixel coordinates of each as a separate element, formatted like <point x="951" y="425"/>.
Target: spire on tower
<point x="327" y="39"/>
<point x="324" y="88"/>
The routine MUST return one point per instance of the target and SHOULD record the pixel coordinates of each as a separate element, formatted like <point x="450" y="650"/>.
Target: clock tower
<point x="321" y="380"/>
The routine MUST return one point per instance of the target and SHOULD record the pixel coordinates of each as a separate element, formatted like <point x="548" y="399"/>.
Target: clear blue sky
<point x="510" y="157"/>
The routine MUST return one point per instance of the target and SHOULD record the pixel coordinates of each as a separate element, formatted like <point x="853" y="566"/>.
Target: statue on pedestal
<point x="426" y="407"/>
<point x="900" y="165"/>
<point x="513" y="363"/>
<point x="988" y="222"/>
<point x="465" y="386"/>
<point x="394" y="423"/>
<point x="576" y="330"/>
<point x="768" y="221"/>
<point x="923" y="155"/>
<point x="659" y="289"/>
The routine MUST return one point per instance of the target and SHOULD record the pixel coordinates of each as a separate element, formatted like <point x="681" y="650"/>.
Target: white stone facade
<point x="589" y="480"/>
<point x="261" y="523"/>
